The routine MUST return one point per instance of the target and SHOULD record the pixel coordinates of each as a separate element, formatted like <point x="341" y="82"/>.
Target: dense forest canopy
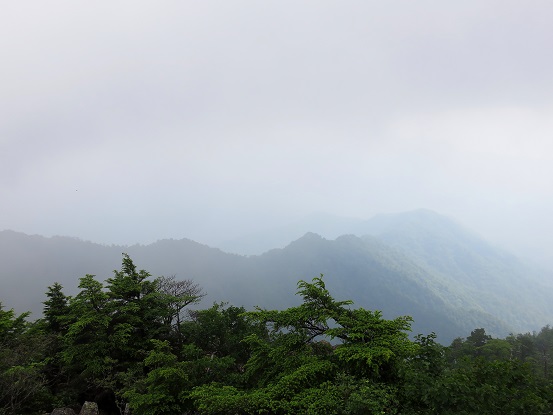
<point x="133" y="342"/>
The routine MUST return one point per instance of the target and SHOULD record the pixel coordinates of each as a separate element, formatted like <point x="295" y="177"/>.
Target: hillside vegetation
<point x="419" y="264"/>
<point x="133" y="343"/>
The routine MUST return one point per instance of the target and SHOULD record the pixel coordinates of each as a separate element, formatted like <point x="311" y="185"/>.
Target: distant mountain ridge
<point x="326" y="225"/>
<point x="417" y="263"/>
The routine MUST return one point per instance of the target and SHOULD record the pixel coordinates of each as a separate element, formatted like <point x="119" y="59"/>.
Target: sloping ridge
<point x="418" y="264"/>
<point x="379" y="277"/>
<point x="494" y="279"/>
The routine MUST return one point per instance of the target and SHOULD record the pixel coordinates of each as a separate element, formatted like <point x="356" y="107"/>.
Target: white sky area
<point x="132" y="121"/>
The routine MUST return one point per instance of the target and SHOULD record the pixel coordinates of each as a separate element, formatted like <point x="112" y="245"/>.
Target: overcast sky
<point x="132" y="121"/>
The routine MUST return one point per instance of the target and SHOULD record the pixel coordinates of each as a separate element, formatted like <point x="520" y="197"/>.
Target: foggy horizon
<point x="133" y="122"/>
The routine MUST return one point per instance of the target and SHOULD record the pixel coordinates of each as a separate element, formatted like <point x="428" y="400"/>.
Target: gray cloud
<point x="136" y="121"/>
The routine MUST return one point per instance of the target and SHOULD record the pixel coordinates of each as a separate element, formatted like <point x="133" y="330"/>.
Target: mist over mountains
<point x="417" y="263"/>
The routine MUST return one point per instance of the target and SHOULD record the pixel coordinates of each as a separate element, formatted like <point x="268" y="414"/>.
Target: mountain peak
<point x="308" y="238"/>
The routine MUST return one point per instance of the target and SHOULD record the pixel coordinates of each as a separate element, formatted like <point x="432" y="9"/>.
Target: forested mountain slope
<point x="419" y="264"/>
<point x="496" y="280"/>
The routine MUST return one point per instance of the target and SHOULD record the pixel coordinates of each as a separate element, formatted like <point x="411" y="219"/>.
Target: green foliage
<point x="11" y="325"/>
<point x="22" y="354"/>
<point x="494" y="387"/>
<point x="296" y="370"/>
<point x="220" y="331"/>
<point x="480" y="377"/>
<point x="132" y="339"/>
<point x="419" y="375"/>
<point x="111" y="327"/>
<point x="137" y="310"/>
<point x="56" y="309"/>
<point x="479" y="344"/>
<point x="163" y="389"/>
<point x="87" y="345"/>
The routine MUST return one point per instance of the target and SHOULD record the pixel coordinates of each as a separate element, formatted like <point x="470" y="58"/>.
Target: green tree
<point x="473" y="376"/>
<point x="178" y="294"/>
<point x="87" y="346"/>
<point x="54" y="325"/>
<point x="137" y="311"/>
<point x="478" y="344"/>
<point x="297" y="369"/>
<point x="220" y="331"/>
<point x="544" y="350"/>
<point x="111" y="328"/>
<point x="523" y="346"/>
<point x="420" y="375"/>
<point x="214" y="352"/>
<point x="56" y="309"/>
<point x="163" y="390"/>
<point x="22" y="352"/>
<point x="479" y="386"/>
<point x="11" y="325"/>
<point x="477" y="340"/>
